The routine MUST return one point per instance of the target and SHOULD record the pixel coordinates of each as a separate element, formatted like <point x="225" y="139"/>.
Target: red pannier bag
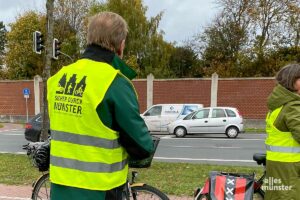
<point x="230" y="186"/>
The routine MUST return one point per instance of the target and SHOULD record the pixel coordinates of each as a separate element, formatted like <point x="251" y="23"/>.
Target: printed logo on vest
<point x="68" y="98"/>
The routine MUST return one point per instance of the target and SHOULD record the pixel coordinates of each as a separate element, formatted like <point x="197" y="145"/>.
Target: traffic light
<point x="55" y="49"/>
<point x="38" y="42"/>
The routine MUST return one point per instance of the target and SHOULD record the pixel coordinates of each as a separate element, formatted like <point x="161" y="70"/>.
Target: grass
<point x="255" y="130"/>
<point x="172" y="178"/>
<point x="1" y="125"/>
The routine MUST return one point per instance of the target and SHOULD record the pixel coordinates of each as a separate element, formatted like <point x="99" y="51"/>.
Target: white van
<point x="157" y="117"/>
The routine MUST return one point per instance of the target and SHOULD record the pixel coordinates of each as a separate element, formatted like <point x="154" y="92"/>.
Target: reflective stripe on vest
<point x="87" y="166"/>
<point x="280" y="146"/>
<point x="84" y="152"/>
<point x="283" y="149"/>
<point x="84" y="140"/>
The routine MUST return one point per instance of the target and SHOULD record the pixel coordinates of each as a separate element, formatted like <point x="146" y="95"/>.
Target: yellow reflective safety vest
<point x="281" y="146"/>
<point x="84" y="152"/>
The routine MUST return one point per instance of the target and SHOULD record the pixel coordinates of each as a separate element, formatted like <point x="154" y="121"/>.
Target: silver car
<point x="225" y="120"/>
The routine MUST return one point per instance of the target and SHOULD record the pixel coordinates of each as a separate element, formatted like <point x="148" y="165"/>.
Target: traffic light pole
<point x="47" y="68"/>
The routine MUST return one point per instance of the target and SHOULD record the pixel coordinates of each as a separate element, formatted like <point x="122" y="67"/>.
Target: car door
<point x="217" y="121"/>
<point x="153" y="118"/>
<point x="169" y="114"/>
<point x="197" y="124"/>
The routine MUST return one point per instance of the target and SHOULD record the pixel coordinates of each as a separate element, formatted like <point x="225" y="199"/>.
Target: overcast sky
<point x="181" y="20"/>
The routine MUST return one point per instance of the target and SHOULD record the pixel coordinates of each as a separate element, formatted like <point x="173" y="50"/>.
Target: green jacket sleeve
<point x="119" y="110"/>
<point x="292" y="120"/>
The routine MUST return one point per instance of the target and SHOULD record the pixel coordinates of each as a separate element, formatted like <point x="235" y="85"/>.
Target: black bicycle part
<point x="41" y="189"/>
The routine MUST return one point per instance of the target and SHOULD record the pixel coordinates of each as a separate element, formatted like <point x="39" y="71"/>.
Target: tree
<point x="184" y="62"/>
<point x="3" y="41"/>
<point x="72" y="15"/>
<point x="21" y="61"/>
<point x="221" y="47"/>
<point x="292" y="20"/>
<point x="266" y="16"/>
<point x="145" y="50"/>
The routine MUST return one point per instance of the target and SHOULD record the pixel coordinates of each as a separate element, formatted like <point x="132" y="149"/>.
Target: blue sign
<point x="26" y="91"/>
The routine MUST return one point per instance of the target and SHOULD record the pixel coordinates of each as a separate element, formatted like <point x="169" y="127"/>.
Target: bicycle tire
<point x="147" y="192"/>
<point x="41" y="188"/>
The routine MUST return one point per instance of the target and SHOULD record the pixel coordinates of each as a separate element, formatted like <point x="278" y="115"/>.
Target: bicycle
<point x="132" y="190"/>
<point x="260" y="158"/>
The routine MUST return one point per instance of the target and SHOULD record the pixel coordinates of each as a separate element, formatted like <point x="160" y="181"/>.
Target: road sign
<point x="26" y="92"/>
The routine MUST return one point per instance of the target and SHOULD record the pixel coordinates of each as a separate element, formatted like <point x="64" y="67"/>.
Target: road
<point x="214" y="149"/>
<point x="11" y="141"/>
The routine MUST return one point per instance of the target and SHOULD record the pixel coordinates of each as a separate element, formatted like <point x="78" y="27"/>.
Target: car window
<point x="189" y="109"/>
<point x="154" y="111"/>
<point x="39" y="119"/>
<point x="217" y="113"/>
<point x="189" y="116"/>
<point x="230" y="113"/>
<point x="201" y="114"/>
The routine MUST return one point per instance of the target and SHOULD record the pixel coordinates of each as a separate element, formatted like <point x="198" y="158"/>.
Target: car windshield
<point x="189" y="116"/>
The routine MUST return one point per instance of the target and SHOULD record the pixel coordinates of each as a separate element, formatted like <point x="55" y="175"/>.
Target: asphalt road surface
<point x="213" y="149"/>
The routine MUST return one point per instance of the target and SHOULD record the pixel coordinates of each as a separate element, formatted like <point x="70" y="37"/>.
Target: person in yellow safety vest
<point x="283" y="136"/>
<point x="94" y="118"/>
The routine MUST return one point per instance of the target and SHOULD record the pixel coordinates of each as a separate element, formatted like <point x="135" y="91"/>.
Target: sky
<point x="181" y="20"/>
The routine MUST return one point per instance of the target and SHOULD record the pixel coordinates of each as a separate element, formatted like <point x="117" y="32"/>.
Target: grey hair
<point x="288" y="75"/>
<point x="108" y="30"/>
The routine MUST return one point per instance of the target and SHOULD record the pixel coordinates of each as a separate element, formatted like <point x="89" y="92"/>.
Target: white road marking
<point x="20" y="152"/>
<point x="12" y="134"/>
<point x="211" y="147"/>
<point x="169" y="137"/>
<point x="203" y="159"/>
<point x="9" y="130"/>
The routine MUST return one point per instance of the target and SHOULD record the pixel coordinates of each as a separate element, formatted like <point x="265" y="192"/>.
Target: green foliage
<point x="222" y="44"/>
<point x="184" y="63"/>
<point x="69" y="44"/>
<point x="2" y="43"/>
<point x="3" y="32"/>
<point x="250" y="38"/>
<point x="145" y="51"/>
<point x="21" y="61"/>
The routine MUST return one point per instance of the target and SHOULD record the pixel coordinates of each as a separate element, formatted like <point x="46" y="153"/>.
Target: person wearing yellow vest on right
<point x="283" y="136"/>
<point x="94" y="118"/>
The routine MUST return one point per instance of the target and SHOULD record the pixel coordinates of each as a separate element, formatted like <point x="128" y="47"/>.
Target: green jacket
<point x="288" y="120"/>
<point x="119" y="111"/>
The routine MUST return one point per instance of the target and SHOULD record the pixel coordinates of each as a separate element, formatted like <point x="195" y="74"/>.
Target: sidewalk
<point x="10" y="126"/>
<point x="10" y="192"/>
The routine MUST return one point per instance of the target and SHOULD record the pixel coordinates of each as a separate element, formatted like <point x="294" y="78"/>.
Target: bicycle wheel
<point x="41" y="190"/>
<point x="258" y="194"/>
<point x="146" y="192"/>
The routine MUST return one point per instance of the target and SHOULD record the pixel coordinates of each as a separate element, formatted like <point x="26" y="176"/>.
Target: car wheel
<point x="232" y="132"/>
<point x="180" y="131"/>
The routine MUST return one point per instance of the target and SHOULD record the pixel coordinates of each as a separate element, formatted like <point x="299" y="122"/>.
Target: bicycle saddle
<point x="260" y="158"/>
